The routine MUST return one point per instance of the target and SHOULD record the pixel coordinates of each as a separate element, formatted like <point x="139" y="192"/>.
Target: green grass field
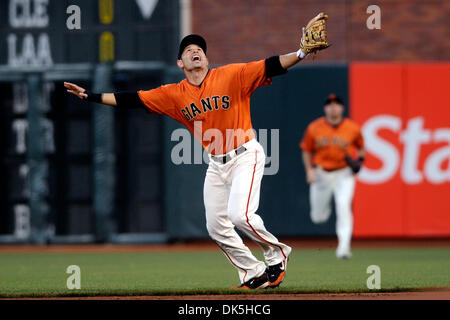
<point x="208" y="272"/>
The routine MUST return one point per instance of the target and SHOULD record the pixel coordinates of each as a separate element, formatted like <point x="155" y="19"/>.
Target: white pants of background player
<point x="231" y="196"/>
<point x="341" y="184"/>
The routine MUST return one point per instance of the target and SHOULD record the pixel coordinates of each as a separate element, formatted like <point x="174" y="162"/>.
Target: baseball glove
<point x="354" y="164"/>
<point x="314" y="35"/>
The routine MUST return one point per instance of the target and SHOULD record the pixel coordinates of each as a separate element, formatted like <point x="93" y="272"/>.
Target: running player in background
<point x="327" y="145"/>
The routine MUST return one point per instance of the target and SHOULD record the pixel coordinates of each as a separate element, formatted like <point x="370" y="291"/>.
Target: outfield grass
<point x="208" y="272"/>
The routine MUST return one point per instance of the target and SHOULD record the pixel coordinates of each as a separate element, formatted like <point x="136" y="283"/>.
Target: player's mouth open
<point x="196" y="58"/>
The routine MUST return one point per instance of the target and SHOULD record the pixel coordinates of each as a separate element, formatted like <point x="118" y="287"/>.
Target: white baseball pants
<point x="341" y="184"/>
<point x="231" y="197"/>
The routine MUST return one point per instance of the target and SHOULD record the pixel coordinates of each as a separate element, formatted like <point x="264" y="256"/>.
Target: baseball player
<point x="327" y="147"/>
<point x="214" y="104"/>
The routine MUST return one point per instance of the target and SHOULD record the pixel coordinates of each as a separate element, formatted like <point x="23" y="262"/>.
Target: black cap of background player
<point x="191" y="39"/>
<point x="333" y="98"/>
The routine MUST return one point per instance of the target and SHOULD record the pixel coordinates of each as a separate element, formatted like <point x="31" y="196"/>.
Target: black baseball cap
<point x="333" y="98"/>
<point x="192" y="39"/>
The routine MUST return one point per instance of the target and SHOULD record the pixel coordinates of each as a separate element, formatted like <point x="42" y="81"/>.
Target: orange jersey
<point x="329" y="144"/>
<point x="218" y="111"/>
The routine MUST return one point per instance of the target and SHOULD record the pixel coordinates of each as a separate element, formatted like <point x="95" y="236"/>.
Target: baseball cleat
<point x="344" y="256"/>
<point x="255" y="283"/>
<point x="276" y="274"/>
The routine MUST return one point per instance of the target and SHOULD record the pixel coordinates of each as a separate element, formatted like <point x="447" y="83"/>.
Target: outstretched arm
<point x="116" y="99"/>
<point x="314" y="39"/>
<point x="104" y="98"/>
<point x="291" y="59"/>
<point x="278" y="65"/>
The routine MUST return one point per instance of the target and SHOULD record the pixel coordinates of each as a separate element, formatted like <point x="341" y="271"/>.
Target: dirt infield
<point x="417" y="295"/>
<point x="437" y="294"/>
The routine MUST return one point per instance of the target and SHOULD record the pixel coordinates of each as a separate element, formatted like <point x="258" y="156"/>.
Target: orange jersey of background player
<point x="329" y="145"/>
<point x="218" y="111"/>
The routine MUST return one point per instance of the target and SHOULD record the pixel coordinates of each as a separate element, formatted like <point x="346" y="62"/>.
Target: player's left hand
<point x="314" y="35"/>
<point x="354" y="164"/>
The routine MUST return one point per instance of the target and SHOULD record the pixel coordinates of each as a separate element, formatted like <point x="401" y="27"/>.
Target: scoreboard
<point x="51" y="33"/>
<point x="47" y="32"/>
